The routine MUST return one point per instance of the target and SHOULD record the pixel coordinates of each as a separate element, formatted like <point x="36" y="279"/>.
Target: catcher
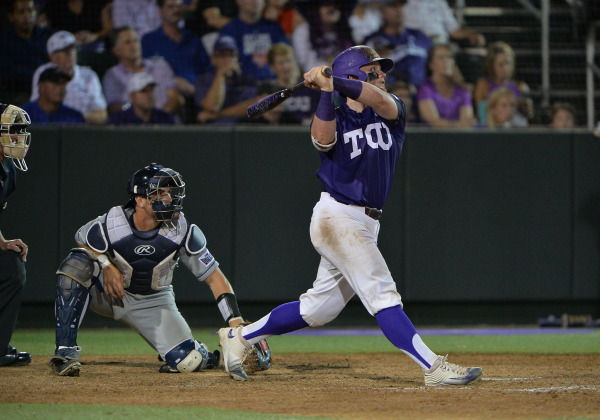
<point x="123" y="269"/>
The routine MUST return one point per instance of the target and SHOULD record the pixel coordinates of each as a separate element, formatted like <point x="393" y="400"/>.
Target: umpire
<point x="14" y="143"/>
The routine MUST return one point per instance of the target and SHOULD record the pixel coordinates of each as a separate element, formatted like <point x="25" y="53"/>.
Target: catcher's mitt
<point x="259" y="358"/>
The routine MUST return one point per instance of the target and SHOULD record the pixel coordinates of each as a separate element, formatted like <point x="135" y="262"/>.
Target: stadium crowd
<point x="205" y="62"/>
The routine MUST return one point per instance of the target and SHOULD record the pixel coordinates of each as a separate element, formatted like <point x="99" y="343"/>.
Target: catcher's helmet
<point x="349" y="62"/>
<point x="152" y="182"/>
<point x="13" y="134"/>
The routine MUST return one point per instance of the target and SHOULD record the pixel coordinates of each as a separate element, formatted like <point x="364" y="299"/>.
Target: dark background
<point x="480" y="227"/>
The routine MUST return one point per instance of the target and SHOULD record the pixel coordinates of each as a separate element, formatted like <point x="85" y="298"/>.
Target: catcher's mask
<point x="349" y="62"/>
<point x="13" y="134"/>
<point x="163" y="187"/>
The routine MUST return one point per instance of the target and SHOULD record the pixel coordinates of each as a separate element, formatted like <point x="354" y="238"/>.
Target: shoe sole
<point x="476" y="372"/>
<point x="69" y="368"/>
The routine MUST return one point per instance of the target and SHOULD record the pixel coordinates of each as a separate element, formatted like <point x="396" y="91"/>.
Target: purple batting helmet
<point x="349" y="62"/>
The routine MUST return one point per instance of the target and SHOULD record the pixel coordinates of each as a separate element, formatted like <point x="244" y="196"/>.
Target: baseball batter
<point x="359" y="143"/>
<point x="123" y="269"/>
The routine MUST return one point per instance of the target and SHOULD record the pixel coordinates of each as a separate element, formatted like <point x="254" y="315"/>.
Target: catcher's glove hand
<point x="259" y="358"/>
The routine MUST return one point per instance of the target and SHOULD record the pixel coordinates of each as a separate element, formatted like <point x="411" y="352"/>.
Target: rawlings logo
<point x="144" y="250"/>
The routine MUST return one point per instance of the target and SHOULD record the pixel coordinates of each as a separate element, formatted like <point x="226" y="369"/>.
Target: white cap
<point x="139" y="81"/>
<point x="59" y="41"/>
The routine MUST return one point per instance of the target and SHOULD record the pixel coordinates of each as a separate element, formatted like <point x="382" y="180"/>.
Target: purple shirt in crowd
<point x="253" y="42"/>
<point x="511" y="85"/>
<point x="448" y="108"/>
<point x="114" y="82"/>
<point x="409" y="53"/>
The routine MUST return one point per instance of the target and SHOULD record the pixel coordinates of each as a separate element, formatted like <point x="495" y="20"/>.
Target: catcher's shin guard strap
<point x="228" y="306"/>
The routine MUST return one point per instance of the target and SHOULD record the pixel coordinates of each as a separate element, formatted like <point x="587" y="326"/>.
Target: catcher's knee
<point x="191" y="356"/>
<point x="78" y="266"/>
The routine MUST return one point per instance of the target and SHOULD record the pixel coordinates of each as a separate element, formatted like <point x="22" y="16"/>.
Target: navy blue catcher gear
<point x="190" y="356"/>
<point x="163" y="187"/>
<point x="349" y="62"/>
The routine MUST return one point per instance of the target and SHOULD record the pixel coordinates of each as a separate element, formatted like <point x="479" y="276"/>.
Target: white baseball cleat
<point x="234" y="352"/>
<point x="444" y="373"/>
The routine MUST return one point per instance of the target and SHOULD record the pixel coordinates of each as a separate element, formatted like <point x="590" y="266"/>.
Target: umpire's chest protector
<point x="146" y="259"/>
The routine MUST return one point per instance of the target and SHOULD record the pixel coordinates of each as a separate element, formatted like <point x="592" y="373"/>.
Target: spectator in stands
<point x="49" y="107"/>
<point x="90" y="21"/>
<point x="142" y="15"/>
<point x="208" y="18"/>
<point x="285" y="14"/>
<point x="365" y="20"/>
<point x="300" y="107"/>
<point x="223" y="95"/>
<point x="128" y="48"/>
<point x="409" y="46"/>
<point x="499" y="69"/>
<point x="502" y="110"/>
<point x="182" y="49"/>
<point x="253" y="35"/>
<point x="442" y="102"/>
<point x="140" y="89"/>
<point x="84" y="91"/>
<point x="325" y="33"/>
<point x="562" y="115"/>
<point x="407" y="92"/>
<point x="436" y="20"/>
<point x="22" y="50"/>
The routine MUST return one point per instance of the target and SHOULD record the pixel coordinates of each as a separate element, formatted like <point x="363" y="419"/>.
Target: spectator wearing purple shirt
<point x="49" y="107"/>
<point x="127" y="47"/>
<point x="142" y="15"/>
<point x="223" y="95"/>
<point x="22" y="49"/>
<point x="253" y="35"/>
<point x="142" y="110"/>
<point x="442" y="102"/>
<point x="409" y="47"/>
<point x="182" y="49"/>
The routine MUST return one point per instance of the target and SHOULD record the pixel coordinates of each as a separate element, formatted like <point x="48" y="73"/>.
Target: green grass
<point x="98" y="412"/>
<point x="124" y="341"/>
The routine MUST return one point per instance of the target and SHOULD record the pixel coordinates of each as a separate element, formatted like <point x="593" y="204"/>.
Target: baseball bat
<point x="259" y="108"/>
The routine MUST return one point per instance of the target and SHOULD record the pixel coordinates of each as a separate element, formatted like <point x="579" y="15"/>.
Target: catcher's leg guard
<point x="190" y="356"/>
<point x="71" y="303"/>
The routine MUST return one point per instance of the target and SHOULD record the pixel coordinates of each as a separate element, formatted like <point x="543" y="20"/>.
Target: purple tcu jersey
<point x="360" y="167"/>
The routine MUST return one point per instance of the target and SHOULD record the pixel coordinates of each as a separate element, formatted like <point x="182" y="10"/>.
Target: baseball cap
<point x="59" y="41"/>
<point x="139" y="81"/>
<point x="225" y="43"/>
<point x="54" y="75"/>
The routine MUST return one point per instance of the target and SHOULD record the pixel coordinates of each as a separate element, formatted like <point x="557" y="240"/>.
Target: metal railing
<point x="591" y="71"/>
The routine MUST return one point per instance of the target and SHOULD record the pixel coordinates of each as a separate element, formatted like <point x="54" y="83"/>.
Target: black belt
<point x="373" y="213"/>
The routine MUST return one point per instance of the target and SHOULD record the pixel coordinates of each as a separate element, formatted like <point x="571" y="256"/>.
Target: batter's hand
<point x="315" y="79"/>
<point x="113" y="282"/>
<point x="15" y="245"/>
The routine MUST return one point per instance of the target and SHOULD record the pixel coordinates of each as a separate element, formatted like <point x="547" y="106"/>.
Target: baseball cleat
<point x="15" y="358"/>
<point x="444" y="373"/>
<point x="66" y="361"/>
<point x="234" y="352"/>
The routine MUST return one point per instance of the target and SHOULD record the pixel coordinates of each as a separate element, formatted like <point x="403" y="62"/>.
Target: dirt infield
<point x="374" y="386"/>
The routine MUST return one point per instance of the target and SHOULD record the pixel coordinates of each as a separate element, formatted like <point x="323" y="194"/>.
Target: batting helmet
<point x="148" y="182"/>
<point x="349" y="62"/>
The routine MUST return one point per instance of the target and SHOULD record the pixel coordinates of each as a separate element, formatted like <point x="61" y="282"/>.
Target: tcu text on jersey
<point x="377" y="135"/>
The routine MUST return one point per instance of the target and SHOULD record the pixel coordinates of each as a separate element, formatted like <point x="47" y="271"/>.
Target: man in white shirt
<point x="436" y="20"/>
<point x="84" y="91"/>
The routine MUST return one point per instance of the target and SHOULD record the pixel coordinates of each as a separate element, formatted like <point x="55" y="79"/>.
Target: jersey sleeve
<point x="196" y="256"/>
<point x="81" y="236"/>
